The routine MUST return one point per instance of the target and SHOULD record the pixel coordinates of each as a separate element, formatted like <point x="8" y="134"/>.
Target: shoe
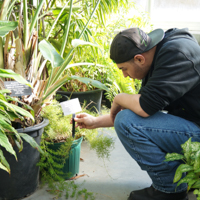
<point x="153" y="194"/>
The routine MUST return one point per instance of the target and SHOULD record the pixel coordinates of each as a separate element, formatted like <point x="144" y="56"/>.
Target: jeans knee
<point x="121" y="119"/>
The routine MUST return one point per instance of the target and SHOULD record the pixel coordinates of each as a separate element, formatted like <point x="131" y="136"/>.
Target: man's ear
<point x="139" y="59"/>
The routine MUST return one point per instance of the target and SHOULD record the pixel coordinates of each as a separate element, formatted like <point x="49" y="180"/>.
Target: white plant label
<point x="71" y="106"/>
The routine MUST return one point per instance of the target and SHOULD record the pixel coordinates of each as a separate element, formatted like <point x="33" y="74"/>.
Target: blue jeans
<point x="148" y="140"/>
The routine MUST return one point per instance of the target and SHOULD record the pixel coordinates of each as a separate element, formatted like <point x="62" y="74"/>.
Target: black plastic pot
<point x="24" y="177"/>
<point x="92" y="97"/>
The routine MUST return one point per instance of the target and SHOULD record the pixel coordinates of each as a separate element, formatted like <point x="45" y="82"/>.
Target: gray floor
<point x="111" y="179"/>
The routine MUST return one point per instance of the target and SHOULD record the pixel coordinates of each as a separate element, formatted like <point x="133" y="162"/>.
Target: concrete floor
<point x="111" y="179"/>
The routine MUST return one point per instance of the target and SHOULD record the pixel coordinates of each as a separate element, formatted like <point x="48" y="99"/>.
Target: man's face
<point x="133" y="70"/>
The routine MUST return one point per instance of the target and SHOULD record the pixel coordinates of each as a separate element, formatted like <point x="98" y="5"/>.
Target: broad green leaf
<point x="6" y="126"/>
<point x="173" y="156"/>
<point x="197" y="160"/>
<point x="50" y="53"/>
<point x="188" y="178"/>
<point x="182" y="168"/>
<point x="2" y="97"/>
<point x="4" y="142"/>
<point x="8" y="73"/>
<point x="187" y="149"/>
<point x="5" y="91"/>
<point x="4" y="168"/>
<point x="191" y="183"/>
<point x="196" y="185"/>
<point x="9" y="98"/>
<point x="77" y="42"/>
<point x="196" y="191"/>
<point x="6" y="27"/>
<point x="17" y="109"/>
<point x="5" y="118"/>
<point x="31" y="141"/>
<point x="195" y="146"/>
<point x="87" y="81"/>
<point x="13" y="116"/>
<point x="3" y="162"/>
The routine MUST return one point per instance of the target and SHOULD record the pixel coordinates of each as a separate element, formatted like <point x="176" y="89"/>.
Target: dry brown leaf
<point x="79" y="176"/>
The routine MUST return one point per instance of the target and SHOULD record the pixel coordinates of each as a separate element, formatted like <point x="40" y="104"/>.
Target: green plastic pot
<point x="71" y="166"/>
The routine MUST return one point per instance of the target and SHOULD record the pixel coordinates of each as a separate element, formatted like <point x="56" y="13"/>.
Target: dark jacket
<point x="173" y="83"/>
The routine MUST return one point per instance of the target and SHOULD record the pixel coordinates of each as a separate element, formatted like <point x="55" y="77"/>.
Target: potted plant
<point x="190" y="166"/>
<point x="62" y="150"/>
<point x="17" y="144"/>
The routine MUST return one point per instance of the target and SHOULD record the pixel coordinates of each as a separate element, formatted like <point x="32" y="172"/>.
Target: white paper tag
<point x="71" y="106"/>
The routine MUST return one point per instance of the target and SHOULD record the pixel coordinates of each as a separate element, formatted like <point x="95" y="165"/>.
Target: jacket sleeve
<point x="172" y="77"/>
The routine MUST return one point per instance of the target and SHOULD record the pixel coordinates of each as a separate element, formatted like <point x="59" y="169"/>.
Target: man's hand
<point x="85" y="120"/>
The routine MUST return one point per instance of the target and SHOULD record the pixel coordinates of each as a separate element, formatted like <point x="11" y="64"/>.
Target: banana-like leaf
<point x="87" y="81"/>
<point x="50" y="53"/>
<point x="4" y="142"/>
<point x="31" y="141"/>
<point x="8" y="73"/>
<point x="77" y="42"/>
<point x="6" y="27"/>
<point x="3" y="162"/>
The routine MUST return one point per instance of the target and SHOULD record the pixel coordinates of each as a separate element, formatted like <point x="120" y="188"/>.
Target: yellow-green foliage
<point x="52" y="162"/>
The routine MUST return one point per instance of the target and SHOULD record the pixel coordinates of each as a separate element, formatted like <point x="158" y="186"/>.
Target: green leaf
<point x="17" y="109"/>
<point x="190" y="183"/>
<point x="5" y="126"/>
<point x="57" y="10"/>
<point x="50" y="53"/>
<point x="31" y="141"/>
<point x="5" y="91"/>
<point x="77" y="42"/>
<point x="87" y="81"/>
<point x="197" y="160"/>
<point x="3" y="162"/>
<point x="187" y="150"/>
<point x="196" y="191"/>
<point x="6" y="27"/>
<point x="5" y="117"/>
<point x="9" y="98"/>
<point x="8" y="73"/>
<point x="188" y="178"/>
<point x="196" y="185"/>
<point x="173" y="156"/>
<point x="4" y="142"/>
<point x="182" y="168"/>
